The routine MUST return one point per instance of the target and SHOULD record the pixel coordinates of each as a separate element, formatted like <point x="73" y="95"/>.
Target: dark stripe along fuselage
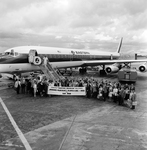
<point x="23" y="58"/>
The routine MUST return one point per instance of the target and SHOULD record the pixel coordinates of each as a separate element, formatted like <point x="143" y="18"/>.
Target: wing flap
<point x="108" y="62"/>
<point x="70" y="64"/>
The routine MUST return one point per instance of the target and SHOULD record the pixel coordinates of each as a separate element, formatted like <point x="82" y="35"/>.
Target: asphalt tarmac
<point x="87" y="124"/>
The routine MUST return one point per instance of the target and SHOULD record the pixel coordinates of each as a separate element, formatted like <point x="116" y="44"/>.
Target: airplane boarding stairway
<point x="44" y="65"/>
<point x="50" y="72"/>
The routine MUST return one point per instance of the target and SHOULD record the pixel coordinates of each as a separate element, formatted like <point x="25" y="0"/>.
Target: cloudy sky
<point x="83" y="24"/>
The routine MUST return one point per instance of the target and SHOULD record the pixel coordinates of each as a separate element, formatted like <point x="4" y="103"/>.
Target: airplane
<point x="29" y="58"/>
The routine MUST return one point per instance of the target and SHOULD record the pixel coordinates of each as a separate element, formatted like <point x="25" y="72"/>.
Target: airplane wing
<point x="68" y="64"/>
<point x="108" y="62"/>
<point x="7" y="76"/>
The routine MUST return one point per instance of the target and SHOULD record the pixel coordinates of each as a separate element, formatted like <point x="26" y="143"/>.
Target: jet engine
<point x="142" y="68"/>
<point x="113" y="68"/>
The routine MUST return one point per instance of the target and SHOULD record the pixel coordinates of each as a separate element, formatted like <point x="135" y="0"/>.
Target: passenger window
<point x="7" y="53"/>
<point x="16" y="54"/>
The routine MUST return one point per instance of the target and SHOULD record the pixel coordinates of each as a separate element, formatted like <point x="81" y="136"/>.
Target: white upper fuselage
<point x="64" y="51"/>
<point x="16" y="58"/>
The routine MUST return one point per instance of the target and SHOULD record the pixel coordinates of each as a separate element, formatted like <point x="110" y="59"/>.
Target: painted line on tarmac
<point x="64" y="139"/>
<point x="20" y="134"/>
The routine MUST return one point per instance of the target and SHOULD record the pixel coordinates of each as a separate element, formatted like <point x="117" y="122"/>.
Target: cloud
<point x="134" y="7"/>
<point x="7" y="34"/>
<point x="138" y="22"/>
<point x="70" y="21"/>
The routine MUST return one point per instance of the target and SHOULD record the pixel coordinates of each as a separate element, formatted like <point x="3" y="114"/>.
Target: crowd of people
<point x="31" y="86"/>
<point x="98" y="89"/>
<point x="123" y="94"/>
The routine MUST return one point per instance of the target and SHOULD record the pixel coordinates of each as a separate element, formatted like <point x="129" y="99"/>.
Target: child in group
<point x="100" y="93"/>
<point x="35" y="87"/>
<point x="133" y="99"/>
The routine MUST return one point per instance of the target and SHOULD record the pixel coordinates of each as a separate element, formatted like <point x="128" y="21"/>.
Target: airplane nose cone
<point x="3" y="58"/>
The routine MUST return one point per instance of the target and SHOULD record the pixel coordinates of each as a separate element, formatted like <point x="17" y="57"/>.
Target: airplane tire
<point x="37" y="60"/>
<point x="102" y="72"/>
<point x="82" y="70"/>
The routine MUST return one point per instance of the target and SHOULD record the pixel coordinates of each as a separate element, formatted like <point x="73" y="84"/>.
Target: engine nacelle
<point x="142" y="68"/>
<point x="112" y="69"/>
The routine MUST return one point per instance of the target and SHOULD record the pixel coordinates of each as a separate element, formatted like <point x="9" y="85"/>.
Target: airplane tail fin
<point x="119" y="46"/>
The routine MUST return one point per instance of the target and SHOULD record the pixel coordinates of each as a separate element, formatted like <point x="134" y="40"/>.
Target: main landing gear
<point x="83" y="70"/>
<point x="102" y="72"/>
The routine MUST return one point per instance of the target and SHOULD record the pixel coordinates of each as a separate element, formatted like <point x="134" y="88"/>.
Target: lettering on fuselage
<point x="80" y="53"/>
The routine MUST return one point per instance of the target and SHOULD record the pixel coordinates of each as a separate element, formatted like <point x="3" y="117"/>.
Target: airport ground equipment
<point x="49" y="71"/>
<point x="44" y="65"/>
<point x="127" y="74"/>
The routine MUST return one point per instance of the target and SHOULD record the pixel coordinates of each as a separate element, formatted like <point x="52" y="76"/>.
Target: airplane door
<point x="32" y="54"/>
<point x="71" y="56"/>
<point x="111" y="57"/>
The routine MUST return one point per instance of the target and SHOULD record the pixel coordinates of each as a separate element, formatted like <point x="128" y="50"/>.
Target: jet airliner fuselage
<point x="17" y="59"/>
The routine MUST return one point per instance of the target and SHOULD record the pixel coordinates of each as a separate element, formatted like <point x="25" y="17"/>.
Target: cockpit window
<point x="7" y="53"/>
<point x="11" y="53"/>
